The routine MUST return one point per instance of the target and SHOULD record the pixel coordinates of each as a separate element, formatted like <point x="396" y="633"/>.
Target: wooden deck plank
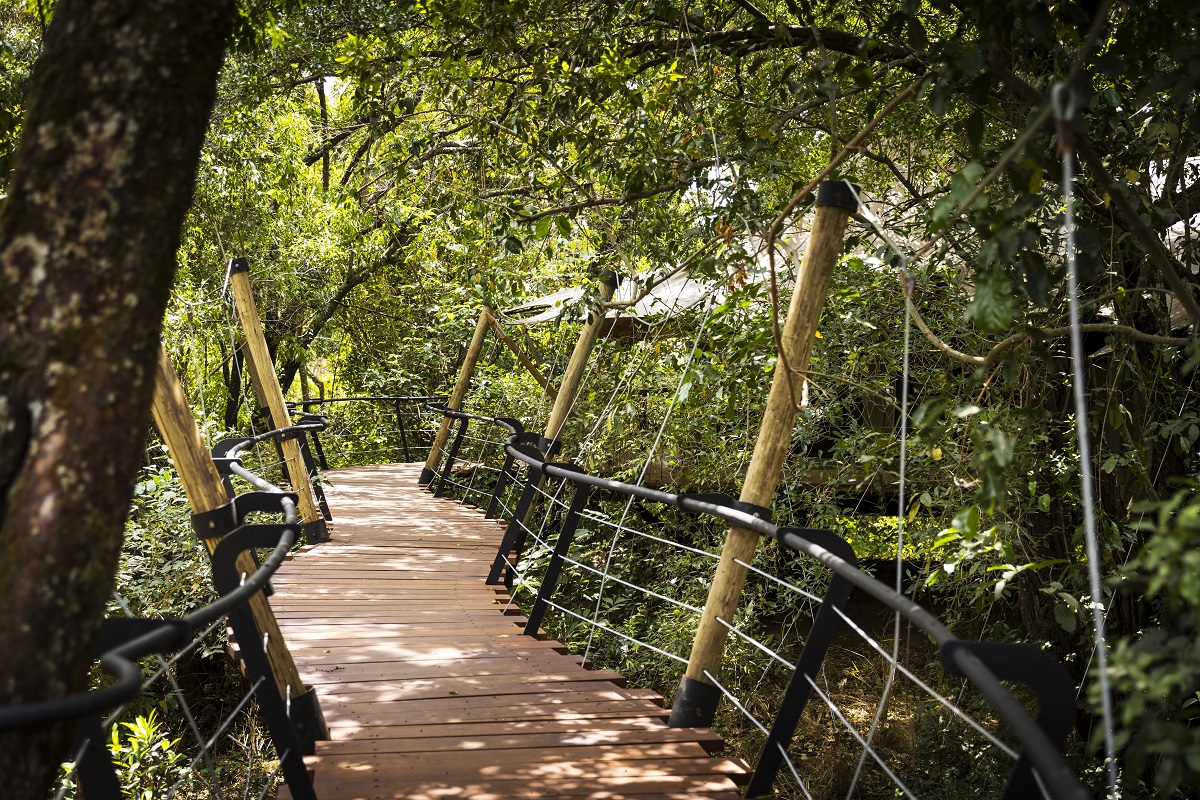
<point x="544" y="699"/>
<point x="379" y="714"/>
<point x="432" y="691"/>
<point x="539" y="744"/>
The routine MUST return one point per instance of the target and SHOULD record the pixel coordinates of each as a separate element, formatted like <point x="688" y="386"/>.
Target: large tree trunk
<point x="116" y="114"/>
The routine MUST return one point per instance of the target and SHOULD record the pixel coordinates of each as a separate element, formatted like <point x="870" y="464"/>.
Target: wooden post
<point x="520" y="354"/>
<point x="696" y="701"/>
<point x="205" y="493"/>
<point x="460" y="391"/>
<point x="260" y="393"/>
<point x="573" y="375"/>
<point x="260" y="365"/>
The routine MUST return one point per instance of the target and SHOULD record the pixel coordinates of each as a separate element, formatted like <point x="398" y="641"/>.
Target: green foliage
<point x="21" y="23"/>
<point x="387" y="168"/>
<point x="147" y="759"/>
<point x="164" y="571"/>
<point x="1157" y="675"/>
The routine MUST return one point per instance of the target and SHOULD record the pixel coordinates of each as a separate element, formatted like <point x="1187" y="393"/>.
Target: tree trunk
<point x="116" y="113"/>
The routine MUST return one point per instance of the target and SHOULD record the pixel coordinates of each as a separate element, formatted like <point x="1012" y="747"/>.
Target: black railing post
<point x="285" y="732"/>
<point x="94" y="765"/>
<point x="223" y="463"/>
<point x="403" y="434"/>
<point x="1021" y="663"/>
<point x="506" y="466"/>
<point x="450" y="456"/>
<point x="533" y="479"/>
<point x="316" y="440"/>
<point x="314" y="476"/>
<point x="501" y="484"/>
<point x="566" y="535"/>
<point x="808" y="667"/>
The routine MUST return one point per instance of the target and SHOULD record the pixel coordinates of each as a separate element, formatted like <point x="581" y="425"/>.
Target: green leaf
<point x="1002" y="447"/>
<point x="992" y="308"/>
<point x="966" y="520"/>
<point x="1044" y="503"/>
<point x="1064" y="617"/>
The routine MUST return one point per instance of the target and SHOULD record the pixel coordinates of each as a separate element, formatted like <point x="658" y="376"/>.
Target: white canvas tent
<point x="674" y="296"/>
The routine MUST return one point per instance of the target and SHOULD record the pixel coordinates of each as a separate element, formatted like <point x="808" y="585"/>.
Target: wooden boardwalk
<point x="431" y="690"/>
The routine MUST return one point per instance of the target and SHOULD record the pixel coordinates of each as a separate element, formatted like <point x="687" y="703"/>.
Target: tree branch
<point x="649" y="286"/>
<point x="1047" y="333"/>
<point x="767" y="37"/>
<point x="1166" y="264"/>
<point x="597" y="202"/>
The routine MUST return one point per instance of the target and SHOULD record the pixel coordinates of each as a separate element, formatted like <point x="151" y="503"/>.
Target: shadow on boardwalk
<point x="430" y="689"/>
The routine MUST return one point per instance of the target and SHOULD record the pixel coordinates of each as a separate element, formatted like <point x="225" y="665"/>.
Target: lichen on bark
<point x="116" y="113"/>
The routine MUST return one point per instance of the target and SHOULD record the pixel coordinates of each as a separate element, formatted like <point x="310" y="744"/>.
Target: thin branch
<point x="315" y="155"/>
<point x="1047" y="333"/>
<point x="777" y="225"/>
<point x="513" y="191"/>
<point x="764" y="37"/>
<point x="649" y="286"/>
<point x="625" y="199"/>
<point x="754" y="10"/>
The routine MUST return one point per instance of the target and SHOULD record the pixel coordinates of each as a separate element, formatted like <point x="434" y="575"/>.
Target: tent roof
<point x="672" y="297"/>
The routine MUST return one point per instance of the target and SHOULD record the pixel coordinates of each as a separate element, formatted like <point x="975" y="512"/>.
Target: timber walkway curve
<point x="401" y="654"/>
<point x="431" y="690"/>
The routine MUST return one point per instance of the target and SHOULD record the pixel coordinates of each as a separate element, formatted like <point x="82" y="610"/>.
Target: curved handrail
<point x="121" y="661"/>
<point x="503" y="422"/>
<point x="955" y="653"/>
<point x="397" y="402"/>
<point x="414" y="398"/>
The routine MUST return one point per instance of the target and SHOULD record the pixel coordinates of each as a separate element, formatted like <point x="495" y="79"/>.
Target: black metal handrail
<point x="984" y="664"/>
<point x="444" y="470"/>
<point x="121" y="662"/>
<point x="123" y="641"/>
<point x="397" y="402"/>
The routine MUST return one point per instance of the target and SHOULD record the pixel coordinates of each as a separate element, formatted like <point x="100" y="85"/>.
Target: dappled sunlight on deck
<point x="428" y="686"/>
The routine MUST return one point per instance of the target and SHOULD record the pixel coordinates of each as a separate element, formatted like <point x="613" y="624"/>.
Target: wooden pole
<point x="696" y="702"/>
<point x="260" y="394"/>
<point x="460" y="391"/>
<point x="261" y="365"/>
<point x="205" y="493"/>
<point x="520" y="354"/>
<point x="573" y="375"/>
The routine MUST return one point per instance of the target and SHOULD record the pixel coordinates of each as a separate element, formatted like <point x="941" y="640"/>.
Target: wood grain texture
<point x="431" y="691"/>
<point x="465" y="371"/>
<point x="263" y="369"/>
<point x="205" y="492"/>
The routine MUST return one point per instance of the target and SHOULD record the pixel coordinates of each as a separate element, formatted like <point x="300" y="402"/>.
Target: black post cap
<point x="237" y="265"/>
<point x="838" y="194"/>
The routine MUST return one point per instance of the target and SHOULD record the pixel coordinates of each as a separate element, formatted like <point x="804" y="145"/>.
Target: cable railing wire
<point x="983" y="664"/>
<point x="614" y="631"/>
